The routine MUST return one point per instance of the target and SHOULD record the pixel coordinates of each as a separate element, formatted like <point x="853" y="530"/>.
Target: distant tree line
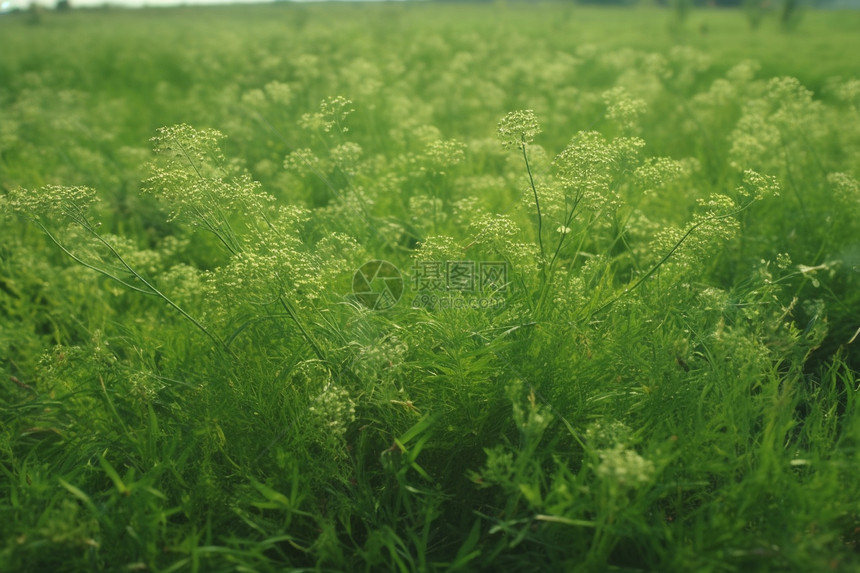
<point x="723" y="3"/>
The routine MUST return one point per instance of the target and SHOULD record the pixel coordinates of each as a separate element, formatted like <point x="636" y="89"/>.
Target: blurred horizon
<point x="7" y="6"/>
<point x="13" y="5"/>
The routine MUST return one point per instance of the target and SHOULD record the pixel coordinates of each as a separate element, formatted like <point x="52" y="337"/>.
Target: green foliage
<point x="667" y="376"/>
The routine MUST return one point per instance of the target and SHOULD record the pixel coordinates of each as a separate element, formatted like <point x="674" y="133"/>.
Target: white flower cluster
<point x="657" y="172"/>
<point x="624" y="108"/>
<point x="195" y="182"/>
<point x="590" y="167"/>
<point x="518" y="128"/>
<point x="331" y="116"/>
<point x="617" y="463"/>
<point x="71" y="203"/>
<point x="333" y="410"/>
<point x="381" y="359"/>
<point x="624" y="467"/>
<point x="304" y="162"/>
<point x="845" y="187"/>
<point x="442" y="154"/>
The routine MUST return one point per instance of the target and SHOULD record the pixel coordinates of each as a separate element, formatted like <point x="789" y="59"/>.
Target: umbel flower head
<point x="518" y="128"/>
<point x="624" y="108"/>
<point x="71" y="203"/>
<point x="624" y="468"/>
<point x="331" y="116"/>
<point x="184" y="144"/>
<point x="191" y="175"/>
<point x="590" y="166"/>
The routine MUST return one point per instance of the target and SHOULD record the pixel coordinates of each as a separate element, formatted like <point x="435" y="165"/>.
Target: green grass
<point x="668" y="381"/>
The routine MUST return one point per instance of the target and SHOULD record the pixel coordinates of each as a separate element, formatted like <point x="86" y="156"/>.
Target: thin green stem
<point x="568" y="221"/>
<point x="287" y="306"/>
<point x="151" y="289"/>
<point x="666" y="257"/>
<point x="157" y="292"/>
<point x="88" y="265"/>
<point x="537" y="205"/>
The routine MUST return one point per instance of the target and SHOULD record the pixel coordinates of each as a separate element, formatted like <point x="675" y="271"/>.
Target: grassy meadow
<point x="616" y="326"/>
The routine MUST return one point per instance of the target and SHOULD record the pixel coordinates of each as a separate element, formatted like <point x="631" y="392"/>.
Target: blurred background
<point x="7" y="6"/>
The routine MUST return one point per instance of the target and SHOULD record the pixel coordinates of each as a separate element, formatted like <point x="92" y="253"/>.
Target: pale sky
<point x="6" y="5"/>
